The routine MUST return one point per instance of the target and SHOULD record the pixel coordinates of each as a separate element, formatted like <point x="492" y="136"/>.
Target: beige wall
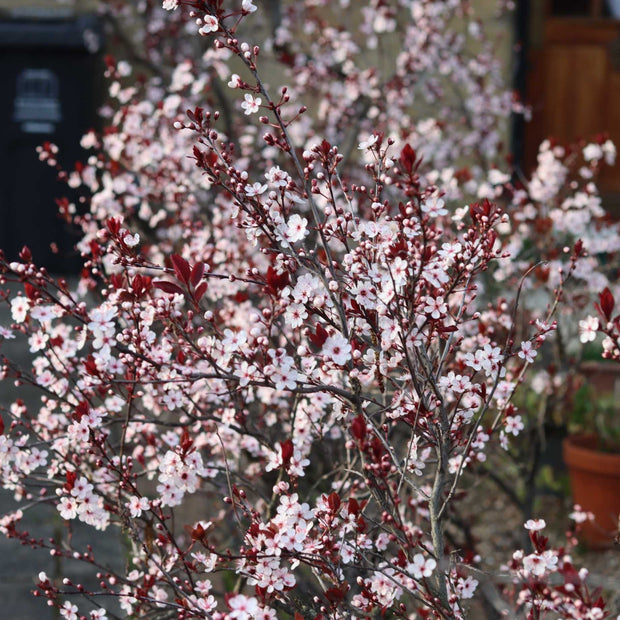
<point x="499" y="30"/>
<point x="31" y="7"/>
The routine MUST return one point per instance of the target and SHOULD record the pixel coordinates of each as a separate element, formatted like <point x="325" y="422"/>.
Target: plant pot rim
<point x="581" y="452"/>
<point x="602" y="365"/>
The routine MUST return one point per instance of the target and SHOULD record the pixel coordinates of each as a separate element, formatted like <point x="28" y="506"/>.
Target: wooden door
<point x="574" y="79"/>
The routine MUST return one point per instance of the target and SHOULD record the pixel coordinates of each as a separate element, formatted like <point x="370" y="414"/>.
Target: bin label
<point x="37" y="104"/>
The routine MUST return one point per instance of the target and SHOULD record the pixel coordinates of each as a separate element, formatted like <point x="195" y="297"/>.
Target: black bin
<point x="51" y="76"/>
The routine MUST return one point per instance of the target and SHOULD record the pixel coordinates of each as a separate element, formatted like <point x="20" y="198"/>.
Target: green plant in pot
<point x="592" y="449"/>
<point x="596" y="414"/>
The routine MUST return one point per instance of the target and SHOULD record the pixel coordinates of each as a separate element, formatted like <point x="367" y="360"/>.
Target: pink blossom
<point x="19" y="308"/>
<point x="210" y="24"/>
<point x="434" y="207"/>
<point x="337" y="349"/>
<point x="579" y="515"/>
<point x="421" y="566"/>
<point x="435" y="307"/>
<point x="514" y="425"/>
<point x="242" y="607"/>
<point x="295" y="228"/>
<point x="7" y="334"/>
<point x="67" y="508"/>
<point x="467" y="587"/>
<point x="527" y="352"/>
<point x="251" y="104"/>
<point x="69" y="611"/>
<point x="256" y="188"/>
<point x="588" y="328"/>
<point x="137" y="505"/>
<point x="367" y="144"/>
<point x="38" y="341"/>
<point x="535" y="525"/>
<point x="235" y="81"/>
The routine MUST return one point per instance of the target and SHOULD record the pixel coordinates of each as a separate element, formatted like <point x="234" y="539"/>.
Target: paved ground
<point x="20" y="565"/>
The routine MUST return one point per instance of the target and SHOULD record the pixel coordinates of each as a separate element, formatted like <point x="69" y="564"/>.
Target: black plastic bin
<point x="51" y="75"/>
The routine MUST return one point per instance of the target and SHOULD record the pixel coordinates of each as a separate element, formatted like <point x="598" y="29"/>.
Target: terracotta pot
<point x="595" y="483"/>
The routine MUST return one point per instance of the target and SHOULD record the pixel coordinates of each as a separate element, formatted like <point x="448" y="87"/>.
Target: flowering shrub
<point x="606" y="323"/>
<point x="558" y="207"/>
<point x="292" y="328"/>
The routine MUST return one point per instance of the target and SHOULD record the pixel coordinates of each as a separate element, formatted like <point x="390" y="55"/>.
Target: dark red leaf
<point x="91" y="366"/>
<point x="333" y="501"/>
<point x="319" y="337"/>
<point x="358" y="428"/>
<point x="198" y="115"/>
<point x="25" y="254"/>
<point x="137" y="285"/>
<point x="198" y="155"/>
<point x="362" y="526"/>
<point x="1" y="425"/>
<point x="276" y="281"/>
<point x="336" y="594"/>
<point x="325" y="147"/>
<point x="407" y="158"/>
<point x="399" y="249"/>
<point x="201" y="289"/>
<point x="198" y="532"/>
<point x="542" y="273"/>
<point x="355" y="307"/>
<point x="181" y="268"/>
<point x="197" y="273"/>
<point x="353" y="507"/>
<point x="578" y="249"/>
<point x="116" y="279"/>
<point x="607" y="303"/>
<point x="463" y="175"/>
<point x="287" y="449"/>
<point x="71" y="477"/>
<point x="168" y="287"/>
<point x="210" y="158"/>
<point x="445" y="329"/>
<point x="181" y="602"/>
<point x="81" y="410"/>
<point x="186" y="442"/>
<point x="30" y="291"/>
<point x="113" y="225"/>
